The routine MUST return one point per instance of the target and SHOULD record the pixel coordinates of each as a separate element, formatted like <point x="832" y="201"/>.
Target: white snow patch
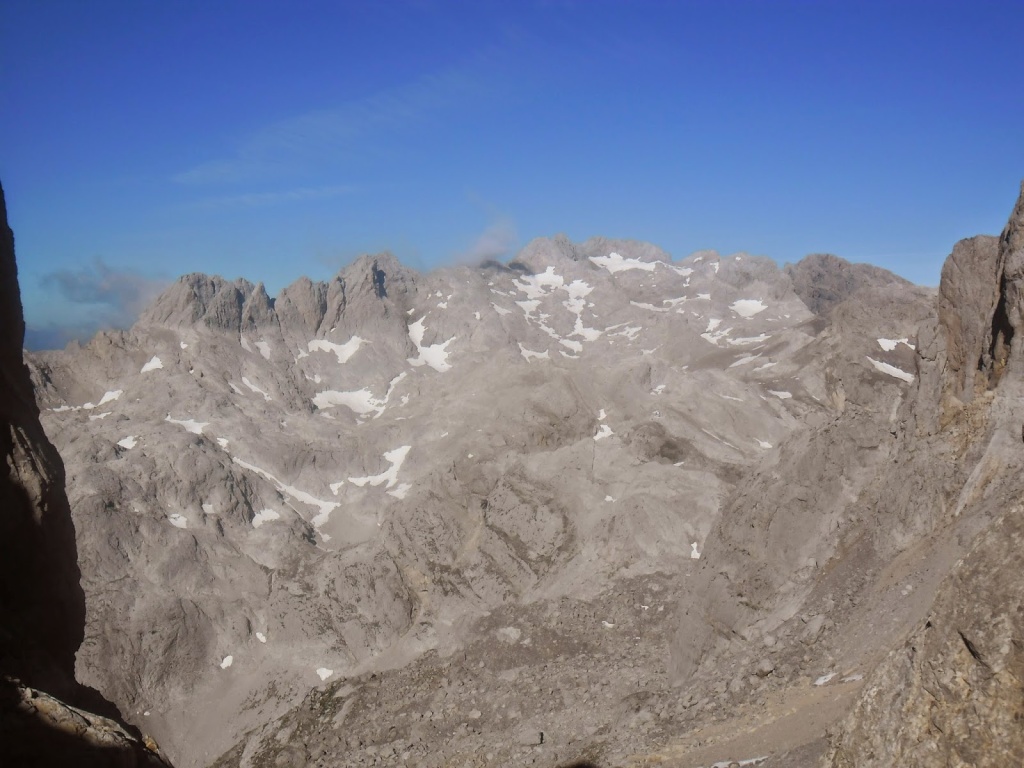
<point x="324" y="673"/>
<point x="658" y="389"/>
<point x="763" y="444"/>
<point x="501" y="310"/>
<point x="190" y="425"/>
<point x="325" y="507"/>
<point x="208" y="509"/>
<point x="603" y="432"/>
<point x="235" y="389"/>
<point x="222" y="442"/>
<point x="825" y="679"/>
<point x="613" y="262"/>
<point x="649" y="307"/>
<point x="892" y="370"/>
<point x="245" y="344"/>
<point x="890" y="344"/>
<point x="764" y="367"/>
<point x="534" y="285"/>
<point x="361" y="401"/>
<point x="694" y="553"/>
<point x="684" y="271"/>
<point x="264" y="349"/>
<point x="264" y="516"/>
<point x="341" y="351"/>
<point x="608" y="498"/>
<point x="781" y="394"/>
<point x="226" y="662"/>
<point x="261" y="637"/>
<point x="109" y="397"/>
<point x="335" y="487"/>
<point x="852" y="678"/>
<point x="607" y="624"/>
<point x="152" y="365"/>
<point x="99" y="416"/>
<point x="744" y="360"/>
<point x="748" y="307"/>
<point x="575" y="346"/>
<point x="436" y="355"/>
<point x="749" y="339"/>
<point x="255" y="389"/>
<point x="400" y="491"/>
<point x="476" y="315"/>
<point x="178" y="521"/>
<point x="128" y="442"/>
<point x="705" y="296"/>
<point x="530" y="354"/>
<point x="601" y="415"/>
<point x="389" y="476"/>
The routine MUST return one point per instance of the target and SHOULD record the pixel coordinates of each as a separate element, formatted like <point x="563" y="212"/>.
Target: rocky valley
<point x="590" y="507"/>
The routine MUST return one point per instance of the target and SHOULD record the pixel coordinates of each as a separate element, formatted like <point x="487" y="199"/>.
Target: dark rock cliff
<point x="44" y="717"/>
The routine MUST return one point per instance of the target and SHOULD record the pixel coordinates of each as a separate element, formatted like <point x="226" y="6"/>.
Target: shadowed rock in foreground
<point x="42" y="606"/>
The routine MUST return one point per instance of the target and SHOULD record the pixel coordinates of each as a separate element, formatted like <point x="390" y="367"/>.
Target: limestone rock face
<point x="950" y="694"/>
<point x="823" y="280"/>
<point x="42" y="605"/>
<point x="968" y="294"/>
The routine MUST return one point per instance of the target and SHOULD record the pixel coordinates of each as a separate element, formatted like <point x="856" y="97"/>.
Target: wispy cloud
<point x="313" y="138"/>
<point x="267" y="199"/>
<point x="100" y="297"/>
<point x="497" y="241"/>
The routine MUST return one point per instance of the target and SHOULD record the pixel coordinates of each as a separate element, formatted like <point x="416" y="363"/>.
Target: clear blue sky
<point x="142" y="139"/>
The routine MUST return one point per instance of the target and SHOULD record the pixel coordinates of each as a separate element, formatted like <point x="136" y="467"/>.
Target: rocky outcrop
<point x="951" y="693"/>
<point x="824" y="281"/>
<point x="42" y="606"/>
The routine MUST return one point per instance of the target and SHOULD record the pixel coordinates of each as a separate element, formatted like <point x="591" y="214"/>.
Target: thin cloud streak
<point x="325" y="135"/>
<point x="267" y="199"/>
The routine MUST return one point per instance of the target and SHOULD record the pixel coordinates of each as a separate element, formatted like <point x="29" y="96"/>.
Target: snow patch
<point x="178" y="521"/>
<point x="694" y="552"/>
<point x="763" y="444"/>
<point x="255" y="389"/>
<point x="501" y="310"/>
<point x="892" y="370"/>
<point x="261" y="637"/>
<point x="435" y="355"/>
<point x="325" y="507"/>
<point x="360" y="402"/>
<point x="613" y="262"/>
<point x="128" y="442"/>
<point x="603" y="432"/>
<point x="389" y="476"/>
<point x="748" y="307"/>
<point x="222" y="442"/>
<point x="264" y="349"/>
<point x="110" y="397"/>
<point x="152" y="365"/>
<point x="890" y="344"/>
<point x="190" y="425"/>
<point x="324" y="673"/>
<point x="264" y="516"/>
<point x="227" y="662"/>
<point x="341" y="351"/>
<point x="529" y="354"/>
<point x="781" y="394"/>
<point x="825" y="679"/>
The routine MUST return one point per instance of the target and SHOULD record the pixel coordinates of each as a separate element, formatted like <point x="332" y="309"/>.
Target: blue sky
<point x="145" y="139"/>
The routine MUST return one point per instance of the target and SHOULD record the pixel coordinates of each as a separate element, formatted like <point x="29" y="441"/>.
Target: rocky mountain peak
<point x="824" y="280"/>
